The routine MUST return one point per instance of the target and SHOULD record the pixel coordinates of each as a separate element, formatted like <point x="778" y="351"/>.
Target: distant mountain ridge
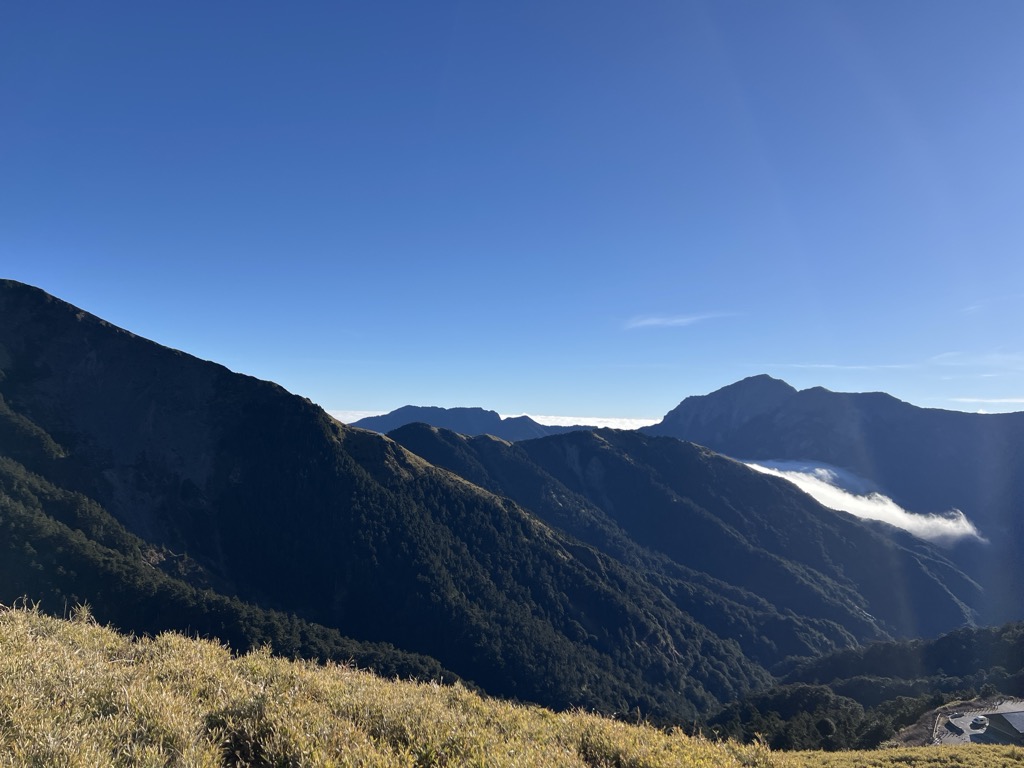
<point x="872" y="434"/>
<point x="466" y="421"/>
<point x="927" y="460"/>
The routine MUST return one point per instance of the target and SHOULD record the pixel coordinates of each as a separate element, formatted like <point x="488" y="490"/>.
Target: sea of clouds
<point x="590" y="421"/>
<point x="841" y="490"/>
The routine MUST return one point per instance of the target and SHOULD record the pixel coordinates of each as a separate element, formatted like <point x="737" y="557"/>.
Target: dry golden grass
<point x="74" y="694"/>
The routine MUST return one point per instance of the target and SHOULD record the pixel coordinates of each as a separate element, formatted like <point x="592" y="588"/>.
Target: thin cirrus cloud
<point x="844" y="366"/>
<point x="1012" y="361"/>
<point x="670" y="321"/>
<point x="991" y="302"/>
<point x="841" y="490"/>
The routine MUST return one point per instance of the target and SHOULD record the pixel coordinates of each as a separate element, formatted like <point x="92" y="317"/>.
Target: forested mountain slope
<point x="268" y="499"/>
<point x="742" y="543"/>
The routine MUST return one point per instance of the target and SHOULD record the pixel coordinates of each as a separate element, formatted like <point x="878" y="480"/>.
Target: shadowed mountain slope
<point x="270" y="501"/>
<point x="63" y="549"/>
<point x="765" y="633"/>
<point x="691" y="516"/>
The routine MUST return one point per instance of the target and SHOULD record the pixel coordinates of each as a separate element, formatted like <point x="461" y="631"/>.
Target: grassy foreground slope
<point x="73" y="694"/>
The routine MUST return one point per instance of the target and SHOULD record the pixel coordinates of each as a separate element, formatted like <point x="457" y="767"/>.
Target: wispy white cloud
<point x="995" y="359"/>
<point x="844" y="366"/>
<point x="846" y="492"/>
<point x="670" y="321"/>
<point x="990" y="302"/>
<point x="983" y="361"/>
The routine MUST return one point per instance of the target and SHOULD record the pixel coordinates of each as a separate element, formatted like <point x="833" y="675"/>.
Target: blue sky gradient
<point x="580" y="208"/>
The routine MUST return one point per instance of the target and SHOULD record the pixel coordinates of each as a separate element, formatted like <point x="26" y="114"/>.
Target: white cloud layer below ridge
<point x="590" y="421"/>
<point x="844" y="491"/>
<point x="347" y="417"/>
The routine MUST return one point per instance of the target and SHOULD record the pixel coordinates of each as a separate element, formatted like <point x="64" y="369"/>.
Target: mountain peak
<point x="727" y="408"/>
<point x="754" y="390"/>
<point x="760" y="380"/>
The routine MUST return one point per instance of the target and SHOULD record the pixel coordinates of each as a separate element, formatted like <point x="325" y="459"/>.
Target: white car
<point x="979" y="722"/>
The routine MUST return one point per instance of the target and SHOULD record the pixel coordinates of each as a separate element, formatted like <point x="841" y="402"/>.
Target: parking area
<point x="967" y="726"/>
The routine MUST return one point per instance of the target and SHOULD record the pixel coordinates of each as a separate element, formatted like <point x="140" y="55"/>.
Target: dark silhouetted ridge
<point x="466" y="421"/>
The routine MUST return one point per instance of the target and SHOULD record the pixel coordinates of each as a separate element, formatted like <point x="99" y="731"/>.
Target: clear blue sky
<point x="579" y="208"/>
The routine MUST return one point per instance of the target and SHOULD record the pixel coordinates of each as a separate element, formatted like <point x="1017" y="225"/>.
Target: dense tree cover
<point x="793" y="577"/>
<point x="805" y="716"/>
<point x="870" y="692"/>
<point x="969" y="658"/>
<point x="792" y="717"/>
<point x="765" y="633"/>
<point x="61" y="550"/>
